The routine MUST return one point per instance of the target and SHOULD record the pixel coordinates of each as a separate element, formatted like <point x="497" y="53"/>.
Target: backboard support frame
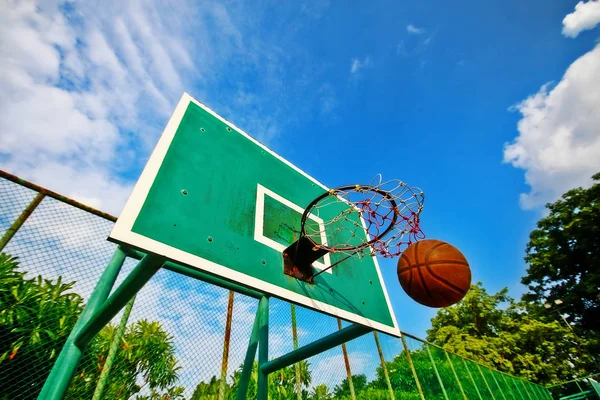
<point x="102" y="307"/>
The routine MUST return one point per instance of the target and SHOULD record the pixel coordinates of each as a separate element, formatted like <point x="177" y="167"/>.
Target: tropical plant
<point x="36" y="317"/>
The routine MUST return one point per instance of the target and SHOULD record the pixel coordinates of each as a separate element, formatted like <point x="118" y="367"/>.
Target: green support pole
<point x="20" y="220"/>
<point x="437" y="374"/>
<point x="200" y="275"/>
<point x="412" y="367"/>
<point x="462" y="391"/>
<point x="141" y="274"/>
<point x="318" y="346"/>
<point x="384" y="367"/>
<point x="112" y="352"/>
<point x="472" y="379"/>
<point x="58" y="381"/>
<point x="263" y="349"/>
<point x="249" y="360"/>
<point x="486" y="382"/>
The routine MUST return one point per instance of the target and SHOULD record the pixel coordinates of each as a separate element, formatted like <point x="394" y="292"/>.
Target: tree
<point x="563" y="257"/>
<point x="343" y="389"/>
<point x="321" y="392"/>
<point x="511" y="339"/>
<point x="282" y="383"/>
<point x="36" y="317"/>
<point x="146" y="358"/>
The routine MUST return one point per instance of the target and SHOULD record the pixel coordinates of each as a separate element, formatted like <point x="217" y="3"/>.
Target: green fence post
<point x="384" y="367"/>
<point x="462" y="391"/>
<point x="58" y="381"/>
<point x="472" y="379"/>
<point x="263" y="349"/>
<point x="21" y="220"/>
<point x="112" y="352"/>
<point x="226" y="340"/>
<point x="437" y="374"/>
<point x="412" y="367"/>
<point x="249" y="359"/>
<point x="486" y="382"/>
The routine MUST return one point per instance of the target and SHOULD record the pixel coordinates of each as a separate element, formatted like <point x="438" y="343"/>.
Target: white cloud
<point x="414" y="30"/>
<point x="586" y="16"/>
<point x="558" y="144"/>
<point x="358" y="64"/>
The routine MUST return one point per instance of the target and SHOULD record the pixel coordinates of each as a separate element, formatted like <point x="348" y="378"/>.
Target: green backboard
<point x="213" y="198"/>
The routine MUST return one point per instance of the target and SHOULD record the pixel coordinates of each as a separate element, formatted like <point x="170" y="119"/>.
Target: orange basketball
<point x="434" y="273"/>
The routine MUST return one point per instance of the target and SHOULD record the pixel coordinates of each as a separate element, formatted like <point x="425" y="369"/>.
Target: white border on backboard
<point x="259" y="219"/>
<point x="122" y="230"/>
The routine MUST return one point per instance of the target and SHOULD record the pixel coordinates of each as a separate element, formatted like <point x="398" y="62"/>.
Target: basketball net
<point x="382" y="216"/>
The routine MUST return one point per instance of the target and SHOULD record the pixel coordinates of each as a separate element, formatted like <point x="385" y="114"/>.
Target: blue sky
<point x="490" y="108"/>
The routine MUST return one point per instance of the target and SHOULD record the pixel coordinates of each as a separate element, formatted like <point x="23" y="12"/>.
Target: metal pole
<point x="486" y="382"/>
<point x="347" y="363"/>
<point x="526" y="391"/>
<point x="295" y="340"/>
<point x="226" y="341"/>
<point x="384" y="367"/>
<point x="263" y="349"/>
<point x="249" y="359"/>
<point x="63" y="370"/>
<point x="455" y="376"/>
<point x="21" y="220"/>
<point x="472" y="379"/>
<point x="412" y="367"/>
<point x="141" y="274"/>
<point x="497" y="384"/>
<point x="511" y="392"/>
<point x="514" y="380"/>
<point x="318" y="346"/>
<point x="112" y="352"/>
<point x="437" y="374"/>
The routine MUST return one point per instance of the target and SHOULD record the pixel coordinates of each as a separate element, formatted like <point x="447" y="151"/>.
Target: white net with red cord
<point x="382" y="215"/>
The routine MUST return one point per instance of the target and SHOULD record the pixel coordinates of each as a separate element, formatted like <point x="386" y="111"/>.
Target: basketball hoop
<point x="380" y="216"/>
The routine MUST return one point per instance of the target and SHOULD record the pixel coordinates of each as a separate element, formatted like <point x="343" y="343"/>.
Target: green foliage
<point x="511" y="339"/>
<point x="36" y="317"/>
<point x="321" y="392"/>
<point x="146" y="355"/>
<point x="563" y="255"/>
<point x="359" y="382"/>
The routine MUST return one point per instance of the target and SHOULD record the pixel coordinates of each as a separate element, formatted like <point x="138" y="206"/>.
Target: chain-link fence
<point x="181" y="338"/>
<point x="578" y="389"/>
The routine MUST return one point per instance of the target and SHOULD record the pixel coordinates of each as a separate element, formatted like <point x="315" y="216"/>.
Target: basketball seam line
<point x="466" y="264"/>
<point x="442" y="280"/>
<point x="423" y="283"/>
